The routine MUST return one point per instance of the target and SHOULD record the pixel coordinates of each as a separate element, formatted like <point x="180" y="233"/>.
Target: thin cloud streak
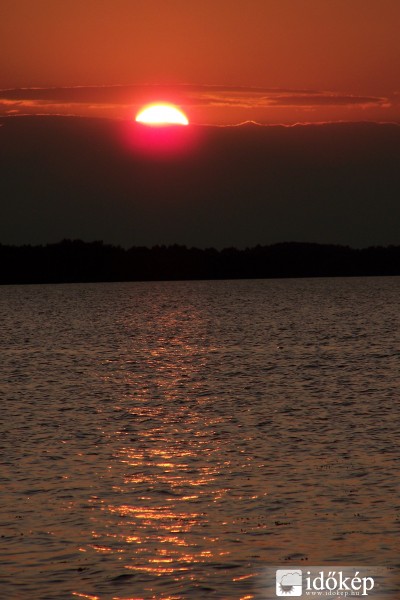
<point x="122" y="101"/>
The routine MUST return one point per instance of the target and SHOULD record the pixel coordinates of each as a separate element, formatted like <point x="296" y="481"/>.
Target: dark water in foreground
<point x="172" y="440"/>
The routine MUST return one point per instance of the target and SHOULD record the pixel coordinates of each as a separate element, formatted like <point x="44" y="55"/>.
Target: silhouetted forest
<point x="78" y="261"/>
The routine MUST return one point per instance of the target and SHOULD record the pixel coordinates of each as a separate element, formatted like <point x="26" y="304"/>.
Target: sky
<point x="223" y="61"/>
<point x="294" y="110"/>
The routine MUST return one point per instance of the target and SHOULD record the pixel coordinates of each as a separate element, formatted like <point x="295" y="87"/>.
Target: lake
<point x="172" y="440"/>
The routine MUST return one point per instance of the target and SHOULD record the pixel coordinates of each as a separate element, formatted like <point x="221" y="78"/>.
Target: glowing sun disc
<point x="161" y="114"/>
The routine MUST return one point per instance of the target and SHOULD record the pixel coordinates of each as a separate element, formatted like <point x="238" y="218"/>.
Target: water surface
<point x="173" y="439"/>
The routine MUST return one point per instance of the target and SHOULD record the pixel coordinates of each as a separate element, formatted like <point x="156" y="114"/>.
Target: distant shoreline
<point x="75" y="261"/>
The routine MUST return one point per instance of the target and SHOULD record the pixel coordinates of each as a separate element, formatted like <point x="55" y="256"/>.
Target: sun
<point x="161" y="114"/>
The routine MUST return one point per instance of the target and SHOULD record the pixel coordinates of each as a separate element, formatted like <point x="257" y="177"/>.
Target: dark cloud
<point x="231" y="186"/>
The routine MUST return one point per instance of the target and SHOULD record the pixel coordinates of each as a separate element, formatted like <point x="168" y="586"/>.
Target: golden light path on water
<point x="176" y="474"/>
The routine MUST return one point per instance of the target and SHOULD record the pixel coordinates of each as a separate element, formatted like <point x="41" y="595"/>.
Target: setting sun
<point x="161" y="114"/>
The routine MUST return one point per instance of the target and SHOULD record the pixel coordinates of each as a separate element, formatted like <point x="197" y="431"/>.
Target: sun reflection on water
<point x="172" y="506"/>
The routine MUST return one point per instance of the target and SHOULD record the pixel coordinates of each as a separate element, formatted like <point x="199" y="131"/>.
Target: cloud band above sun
<point x="207" y="104"/>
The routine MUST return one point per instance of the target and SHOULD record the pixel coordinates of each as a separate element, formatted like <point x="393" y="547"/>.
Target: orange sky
<point x="310" y="60"/>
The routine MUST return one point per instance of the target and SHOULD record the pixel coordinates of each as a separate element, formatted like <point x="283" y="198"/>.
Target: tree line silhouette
<point x="79" y="261"/>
